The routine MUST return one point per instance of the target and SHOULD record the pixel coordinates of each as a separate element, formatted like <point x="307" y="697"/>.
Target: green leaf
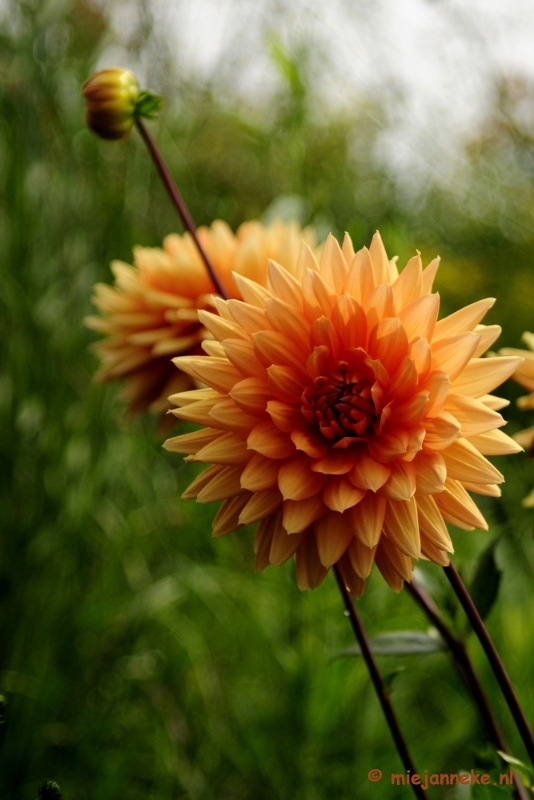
<point x="147" y="105"/>
<point x="485" y="585"/>
<point x="389" y="679"/>
<point x="526" y="772"/>
<point x="399" y="643"/>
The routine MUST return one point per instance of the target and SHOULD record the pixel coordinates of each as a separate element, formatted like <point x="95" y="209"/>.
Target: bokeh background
<point x="141" y="659"/>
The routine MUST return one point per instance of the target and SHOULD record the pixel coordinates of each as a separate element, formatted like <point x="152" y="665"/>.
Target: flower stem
<point x="466" y="670"/>
<point x="493" y="657"/>
<point x="376" y="678"/>
<point x="178" y="202"/>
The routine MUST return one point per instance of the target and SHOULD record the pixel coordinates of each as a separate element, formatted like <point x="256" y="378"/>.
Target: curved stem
<point x="466" y="670"/>
<point x="178" y="203"/>
<point x="376" y="678"/>
<point x="493" y="657"/>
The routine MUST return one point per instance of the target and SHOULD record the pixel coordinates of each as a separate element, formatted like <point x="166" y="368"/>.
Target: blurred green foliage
<point x="140" y="658"/>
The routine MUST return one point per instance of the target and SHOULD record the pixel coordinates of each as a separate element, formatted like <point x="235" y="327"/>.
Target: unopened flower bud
<point x="111" y="97"/>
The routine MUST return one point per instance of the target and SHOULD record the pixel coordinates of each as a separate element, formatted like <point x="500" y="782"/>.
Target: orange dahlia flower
<point x="151" y="314"/>
<point x="524" y="375"/>
<point x="344" y="417"/>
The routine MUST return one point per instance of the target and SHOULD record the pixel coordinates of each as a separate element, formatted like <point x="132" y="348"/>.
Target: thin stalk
<point x="178" y="202"/>
<point x="493" y="657"/>
<point x="376" y="678"/>
<point x="466" y="670"/>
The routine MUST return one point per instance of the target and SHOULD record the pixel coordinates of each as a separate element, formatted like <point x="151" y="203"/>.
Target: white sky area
<point x="440" y="56"/>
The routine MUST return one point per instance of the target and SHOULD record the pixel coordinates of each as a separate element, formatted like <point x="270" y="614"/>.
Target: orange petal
<point x="457" y="507"/>
<point x="463" y="320"/>
<point x="441" y="431"/>
<point x="215" y="372"/>
<point x="227" y="517"/>
<point x="230" y="448"/>
<point x="189" y="443"/>
<point x="262" y="543"/>
<point x="465" y="463"/>
<point x="260" y="505"/>
<point x="361" y="278"/>
<point x="283" y="545"/>
<point x="351" y="579"/>
<point x="201" y="480"/>
<point x="394" y="565"/>
<point x="340" y="494"/>
<point x="401" y="483"/>
<point x="333" y="267"/>
<point x="368" y="473"/>
<point x="285" y="383"/>
<point x="223" y="485"/>
<point x="299" y="514"/>
<point x="452" y="353"/>
<point x="266" y="439"/>
<point x="488" y="335"/>
<point x="388" y="343"/>
<point x="349" y="319"/>
<point x="221" y="328"/>
<point x="401" y="526"/>
<point x="429" y="273"/>
<point x="250" y="318"/>
<point x="431" y="473"/>
<point x="335" y="462"/>
<point x="296" y="480"/>
<point x="260" y="473"/>
<point x="496" y="443"/>
<point x="288" y="320"/>
<point x="332" y="534"/>
<point x="242" y="356"/>
<point x="309" y="442"/>
<point x="474" y="417"/>
<point x="286" y="417"/>
<point x="419" y="318"/>
<point x="252" y="395"/>
<point x="319" y="300"/>
<point x="380" y="260"/>
<point x="361" y="557"/>
<point x="284" y="285"/>
<point x="482" y="375"/>
<point x="408" y="286"/>
<point x="227" y="414"/>
<point x="272" y="347"/>
<point x="367" y="519"/>
<point x="251" y="292"/>
<point x="431" y="524"/>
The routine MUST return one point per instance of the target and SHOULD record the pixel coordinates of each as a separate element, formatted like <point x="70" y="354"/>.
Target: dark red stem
<point x="178" y="203"/>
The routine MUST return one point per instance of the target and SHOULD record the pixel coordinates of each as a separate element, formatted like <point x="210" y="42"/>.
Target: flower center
<point x="344" y="404"/>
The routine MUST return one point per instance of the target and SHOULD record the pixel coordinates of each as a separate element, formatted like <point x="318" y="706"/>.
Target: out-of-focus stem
<point x="178" y="203"/>
<point x="466" y="670"/>
<point x="493" y="657"/>
<point x="376" y="678"/>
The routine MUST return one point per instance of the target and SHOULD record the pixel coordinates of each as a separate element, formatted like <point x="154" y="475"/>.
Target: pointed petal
<point x="465" y="463"/>
<point x="367" y="519"/>
<point x="339" y="494"/>
<point x="300" y="514"/>
<point x="332" y="534"/>
<point x="260" y="473"/>
<point x="268" y="440"/>
<point x="296" y="479"/>
<point x="401" y="526"/>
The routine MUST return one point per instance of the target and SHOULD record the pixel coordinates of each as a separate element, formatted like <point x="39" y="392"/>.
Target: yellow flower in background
<point x="524" y="375"/>
<point x="343" y="417"/>
<point x="151" y="313"/>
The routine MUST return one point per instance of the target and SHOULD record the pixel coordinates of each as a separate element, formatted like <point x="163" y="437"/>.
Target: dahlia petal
<point x="250" y="318"/>
<point x="196" y="412"/>
<point x="286" y="319"/>
<point x="319" y="300"/>
<point x="284" y="286"/>
<point x="409" y="285"/>
<point x="333" y="267"/>
<point x="251" y="292"/>
<point x="488" y="335"/>
<point x="457" y="507"/>
<point x="272" y="347"/>
<point x="394" y="565"/>
<point x="465" y="463"/>
<point x="368" y="473"/>
<point x="285" y="383"/>
<point x="195" y="396"/>
<point x="431" y="473"/>
<point x="217" y="373"/>
<point x="306" y="260"/>
<point x="352" y="581"/>
<point x="465" y="319"/>
<point x="388" y="343"/>
<point x="286" y="417"/>
<point x="452" y="353"/>
<point x="349" y="319"/>
<point x="189" y="443"/>
<point x="486" y="489"/>
<point x="441" y="431"/>
<point x="528" y="501"/>
<point x="332" y="535"/>
<point x="319" y="362"/>
<point x="222" y="308"/>
<point x="296" y="481"/>
<point x="419" y="317"/>
<point x="242" y="356"/>
<point x="431" y="524"/>
<point x="222" y="486"/>
<point x="348" y="249"/>
<point x="221" y="328"/>
<point x="228" y="449"/>
<point x="339" y="494"/>
<point x="227" y="414"/>
<point x="361" y="278"/>
<point x="404" y="380"/>
<point x="401" y="483"/>
<point x="335" y="462"/>
<point x="268" y="440"/>
<point x="200" y="481"/>
<point x="252" y="395"/>
<point x="310" y="443"/>
<point x="262" y="543"/>
<point x="525" y="402"/>
<point x="361" y="557"/>
<point x="260" y="473"/>
<point x="283" y="546"/>
<point x="429" y="273"/>
<point x="379" y="305"/>
<point x="210" y="347"/>
<point x="481" y="375"/>
<point x="524" y="438"/>
<point x="227" y="517"/>
<point x="434" y="553"/>
<point x="411" y="412"/>
<point x="378" y="254"/>
<point x="438" y="386"/>
<point x="401" y="526"/>
<point x="260" y="505"/>
<point x="366" y="519"/>
<point x="310" y="571"/>
<point x="421" y="355"/>
<point x="473" y="416"/>
<point x="324" y="334"/>
<point x="300" y="514"/>
<point x="389" y="445"/>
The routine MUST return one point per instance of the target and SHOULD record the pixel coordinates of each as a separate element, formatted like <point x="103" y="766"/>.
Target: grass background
<point x="140" y="658"/>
